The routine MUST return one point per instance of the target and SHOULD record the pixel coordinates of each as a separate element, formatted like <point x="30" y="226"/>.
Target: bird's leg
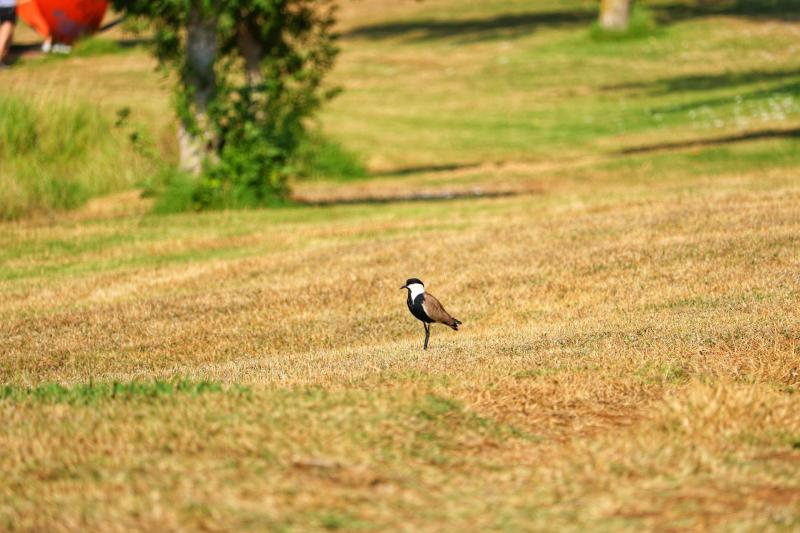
<point x="427" y="334"/>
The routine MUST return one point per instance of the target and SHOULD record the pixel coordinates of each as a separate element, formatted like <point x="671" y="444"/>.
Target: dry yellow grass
<point x="624" y="363"/>
<point x="629" y="359"/>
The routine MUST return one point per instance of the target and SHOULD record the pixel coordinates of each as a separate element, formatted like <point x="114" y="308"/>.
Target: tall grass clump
<point x="56" y="155"/>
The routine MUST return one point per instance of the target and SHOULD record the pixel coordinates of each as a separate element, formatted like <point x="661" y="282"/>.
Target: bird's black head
<point x="412" y="281"/>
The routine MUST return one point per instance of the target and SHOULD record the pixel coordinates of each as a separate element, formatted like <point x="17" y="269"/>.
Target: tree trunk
<point x="251" y="51"/>
<point x="614" y="14"/>
<point x="195" y="136"/>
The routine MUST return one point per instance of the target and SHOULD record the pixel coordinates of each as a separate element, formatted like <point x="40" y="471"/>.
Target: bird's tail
<point x="455" y="323"/>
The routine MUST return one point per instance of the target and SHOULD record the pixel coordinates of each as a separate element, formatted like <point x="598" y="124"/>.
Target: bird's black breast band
<point x="415" y="306"/>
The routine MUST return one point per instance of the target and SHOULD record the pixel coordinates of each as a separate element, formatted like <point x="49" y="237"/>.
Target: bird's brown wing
<point x="436" y="312"/>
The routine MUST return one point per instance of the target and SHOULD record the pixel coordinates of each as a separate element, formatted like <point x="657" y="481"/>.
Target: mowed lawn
<point x="630" y="353"/>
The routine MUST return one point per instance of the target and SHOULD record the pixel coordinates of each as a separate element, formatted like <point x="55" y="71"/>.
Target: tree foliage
<point x="249" y="72"/>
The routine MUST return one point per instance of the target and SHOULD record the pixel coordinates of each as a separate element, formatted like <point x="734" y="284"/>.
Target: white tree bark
<point x="614" y="14"/>
<point x="201" y="51"/>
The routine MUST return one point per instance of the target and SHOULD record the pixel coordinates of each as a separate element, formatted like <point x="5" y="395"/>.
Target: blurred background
<point x="434" y="97"/>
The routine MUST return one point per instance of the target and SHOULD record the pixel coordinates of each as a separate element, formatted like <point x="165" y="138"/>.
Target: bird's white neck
<point x="416" y="289"/>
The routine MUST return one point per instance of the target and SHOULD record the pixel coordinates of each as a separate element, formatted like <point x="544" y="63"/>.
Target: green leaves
<point x="267" y="77"/>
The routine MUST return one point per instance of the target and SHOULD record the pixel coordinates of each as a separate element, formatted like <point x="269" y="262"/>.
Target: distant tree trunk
<point x="614" y="14"/>
<point x="195" y="136"/>
<point x="251" y="51"/>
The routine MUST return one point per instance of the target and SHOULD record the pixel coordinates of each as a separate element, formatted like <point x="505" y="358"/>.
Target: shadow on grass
<point x="130" y="42"/>
<point x="514" y="25"/>
<point x="754" y="9"/>
<point x="107" y="26"/>
<point x="759" y="94"/>
<point x="123" y="43"/>
<point x="406" y="198"/>
<point x="793" y="133"/>
<point x="106" y="46"/>
<point x="474" y="29"/>
<point x="423" y="169"/>
<point x="703" y="82"/>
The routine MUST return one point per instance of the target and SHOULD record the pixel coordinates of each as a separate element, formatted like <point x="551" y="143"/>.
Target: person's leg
<point x="5" y="39"/>
<point x="6" y="33"/>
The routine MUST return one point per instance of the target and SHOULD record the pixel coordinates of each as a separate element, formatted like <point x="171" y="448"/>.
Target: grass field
<point x="630" y="353"/>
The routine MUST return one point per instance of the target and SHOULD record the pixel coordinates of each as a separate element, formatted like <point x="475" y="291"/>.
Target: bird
<point x="426" y="308"/>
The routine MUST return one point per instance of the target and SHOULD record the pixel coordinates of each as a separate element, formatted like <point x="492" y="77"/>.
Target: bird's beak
<point x="403" y="287"/>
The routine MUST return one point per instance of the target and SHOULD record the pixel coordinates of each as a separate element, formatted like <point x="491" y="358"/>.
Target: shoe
<point x="59" y="48"/>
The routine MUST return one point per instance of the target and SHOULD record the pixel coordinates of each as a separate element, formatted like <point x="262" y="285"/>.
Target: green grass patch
<point x="669" y="372"/>
<point x="434" y="407"/>
<point x="320" y="157"/>
<point x="337" y="520"/>
<point x="97" y="46"/>
<point x="179" y="192"/>
<point x="83" y="394"/>
<point x="174" y="192"/>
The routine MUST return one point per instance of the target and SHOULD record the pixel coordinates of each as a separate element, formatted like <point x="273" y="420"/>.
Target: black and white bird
<point x="426" y="307"/>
